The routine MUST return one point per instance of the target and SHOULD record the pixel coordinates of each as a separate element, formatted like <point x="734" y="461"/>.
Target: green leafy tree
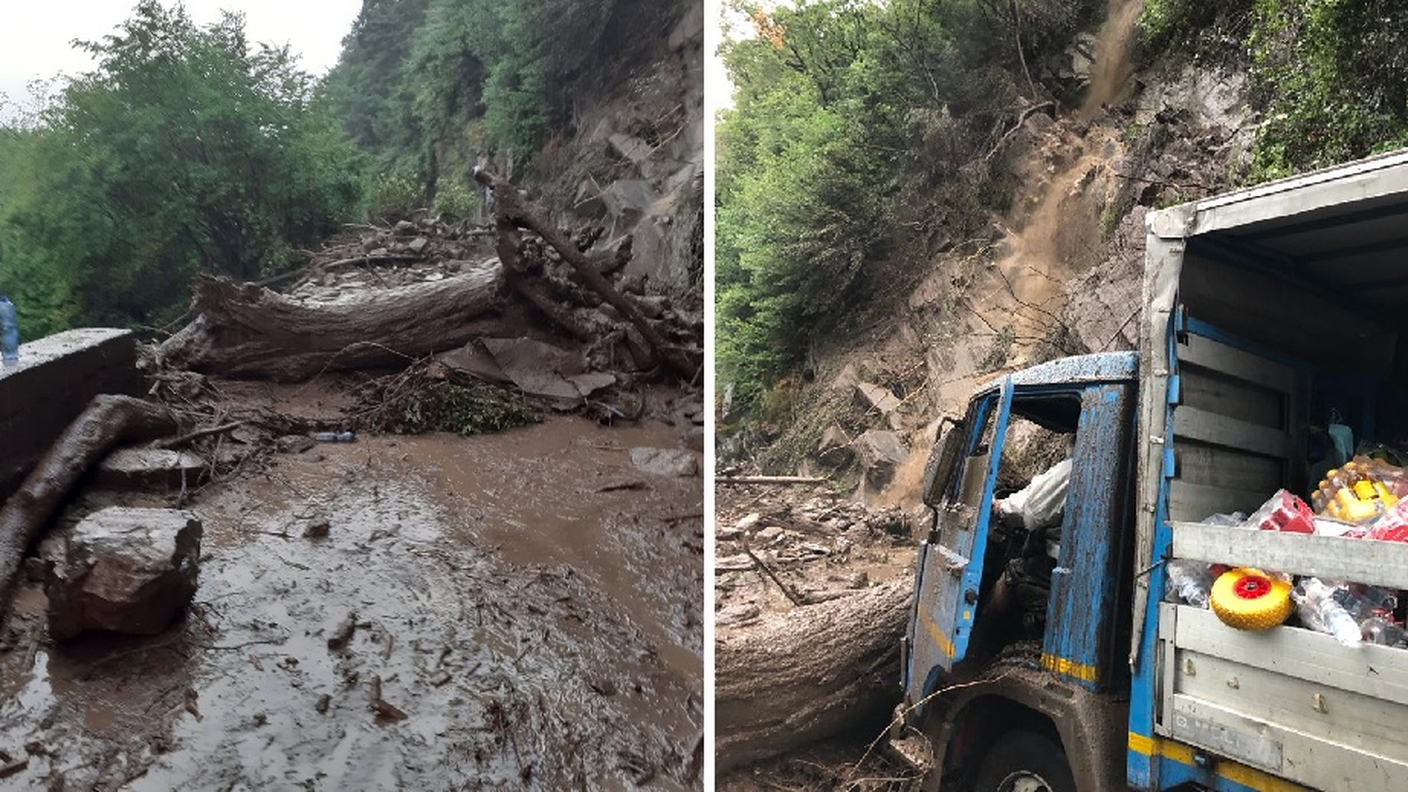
<point x="185" y="150"/>
<point x="1333" y="77"/>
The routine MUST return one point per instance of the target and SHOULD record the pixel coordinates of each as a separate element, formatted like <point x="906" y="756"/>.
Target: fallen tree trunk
<point x="106" y="422"/>
<point x="246" y="331"/>
<point x="812" y="672"/>
<point x="769" y="480"/>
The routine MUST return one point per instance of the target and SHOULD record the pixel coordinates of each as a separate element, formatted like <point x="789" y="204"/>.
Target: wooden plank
<point x="1226" y="467"/>
<point x="1194" y="424"/>
<point x="1378" y="672"/>
<point x="1266" y="374"/>
<point x="1220" y="393"/>
<point x="1322" y="764"/>
<point x="1330" y="557"/>
<point x="1193" y="502"/>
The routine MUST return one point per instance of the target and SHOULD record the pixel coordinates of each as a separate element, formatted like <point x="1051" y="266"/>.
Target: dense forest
<point x="188" y="148"/>
<point x="856" y="124"/>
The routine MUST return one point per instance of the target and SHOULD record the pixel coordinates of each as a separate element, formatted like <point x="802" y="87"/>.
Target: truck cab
<point x="1046" y="657"/>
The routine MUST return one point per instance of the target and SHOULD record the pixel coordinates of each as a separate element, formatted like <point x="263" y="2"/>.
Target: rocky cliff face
<point x="635" y="163"/>
<point x="1058" y="274"/>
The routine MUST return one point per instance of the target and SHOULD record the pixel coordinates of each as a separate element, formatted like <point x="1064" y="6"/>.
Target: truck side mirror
<point x="943" y="462"/>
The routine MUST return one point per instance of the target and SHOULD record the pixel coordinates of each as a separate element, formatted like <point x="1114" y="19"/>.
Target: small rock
<point x="341" y="631"/>
<point x="404" y="228"/>
<point x="672" y="462"/>
<point x="440" y="678"/>
<point x="324" y="701"/>
<point x="260" y="719"/>
<point x="123" y="569"/>
<point x="748" y="522"/>
<point x="294" y="443"/>
<point x="417" y="245"/>
<point x="727" y="534"/>
<point x="769" y="534"/>
<point x="318" y="528"/>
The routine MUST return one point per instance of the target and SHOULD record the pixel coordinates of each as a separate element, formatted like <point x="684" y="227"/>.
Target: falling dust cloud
<point x="1053" y="225"/>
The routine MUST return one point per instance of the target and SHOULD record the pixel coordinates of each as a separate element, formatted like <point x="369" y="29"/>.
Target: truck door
<point x="951" y="558"/>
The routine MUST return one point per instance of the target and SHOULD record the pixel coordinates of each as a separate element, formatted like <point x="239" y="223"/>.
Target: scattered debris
<point x="341" y="632"/>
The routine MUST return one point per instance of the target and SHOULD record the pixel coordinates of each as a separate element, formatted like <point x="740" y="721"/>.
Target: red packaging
<point x="1283" y="512"/>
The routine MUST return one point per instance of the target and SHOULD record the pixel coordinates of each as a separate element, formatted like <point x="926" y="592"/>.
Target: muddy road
<point x="513" y="611"/>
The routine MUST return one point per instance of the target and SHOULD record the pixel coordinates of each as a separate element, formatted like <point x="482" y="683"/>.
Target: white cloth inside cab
<point x="1041" y="502"/>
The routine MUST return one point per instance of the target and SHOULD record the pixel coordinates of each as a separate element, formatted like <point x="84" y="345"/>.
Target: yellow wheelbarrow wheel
<point x="1250" y="599"/>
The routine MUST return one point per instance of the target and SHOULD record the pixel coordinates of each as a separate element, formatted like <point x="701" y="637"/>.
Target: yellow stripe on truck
<point x="1070" y="668"/>
<point x="1248" y="777"/>
<point x="945" y="645"/>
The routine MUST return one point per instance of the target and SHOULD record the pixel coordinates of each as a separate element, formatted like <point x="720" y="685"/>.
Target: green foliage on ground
<point x="185" y="150"/>
<point x="420" y="400"/>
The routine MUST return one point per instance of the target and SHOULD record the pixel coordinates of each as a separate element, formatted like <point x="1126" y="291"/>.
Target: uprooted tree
<point x="249" y="331"/>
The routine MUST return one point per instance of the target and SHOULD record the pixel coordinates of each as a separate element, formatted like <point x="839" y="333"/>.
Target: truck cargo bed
<point x="1289" y="701"/>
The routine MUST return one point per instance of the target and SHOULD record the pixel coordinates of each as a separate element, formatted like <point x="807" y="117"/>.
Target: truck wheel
<point x="1024" y="761"/>
<point x="1250" y="599"/>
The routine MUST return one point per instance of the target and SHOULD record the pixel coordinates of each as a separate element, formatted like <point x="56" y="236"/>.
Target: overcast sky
<point x="36" y="35"/>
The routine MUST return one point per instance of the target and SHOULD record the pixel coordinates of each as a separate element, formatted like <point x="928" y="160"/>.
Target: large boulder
<point x="122" y="569"/>
<point x="880" y="452"/>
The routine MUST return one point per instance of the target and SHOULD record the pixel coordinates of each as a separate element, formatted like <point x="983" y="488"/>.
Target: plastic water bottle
<point x="1189" y="582"/>
<point x="1318" y="609"/>
<point x="9" y="333"/>
<point x="1377" y="630"/>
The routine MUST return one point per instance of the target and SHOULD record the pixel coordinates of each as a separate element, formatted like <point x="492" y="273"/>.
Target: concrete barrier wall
<point x="55" y="379"/>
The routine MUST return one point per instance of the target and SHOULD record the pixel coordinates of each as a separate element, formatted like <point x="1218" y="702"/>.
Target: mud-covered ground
<point x="526" y="604"/>
<point x="818" y="544"/>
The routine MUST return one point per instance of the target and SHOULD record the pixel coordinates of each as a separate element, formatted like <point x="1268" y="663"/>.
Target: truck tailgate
<point x="1289" y="701"/>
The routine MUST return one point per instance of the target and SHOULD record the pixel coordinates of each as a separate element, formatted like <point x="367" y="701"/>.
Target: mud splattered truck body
<point x="1265" y="311"/>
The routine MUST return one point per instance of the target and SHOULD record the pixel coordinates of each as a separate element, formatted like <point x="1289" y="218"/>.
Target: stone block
<point x="150" y="469"/>
<point x="122" y="569"/>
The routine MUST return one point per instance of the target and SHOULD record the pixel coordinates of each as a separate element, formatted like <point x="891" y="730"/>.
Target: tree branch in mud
<point x="513" y="212"/>
<point x="106" y="422"/>
<point x="815" y="671"/>
<point x="246" y="331"/>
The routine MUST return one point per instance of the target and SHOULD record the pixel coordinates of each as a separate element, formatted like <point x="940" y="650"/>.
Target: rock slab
<point x="122" y="569"/>
<point x="150" y="468"/>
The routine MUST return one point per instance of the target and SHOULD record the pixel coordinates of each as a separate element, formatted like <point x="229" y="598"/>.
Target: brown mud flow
<point x="515" y="611"/>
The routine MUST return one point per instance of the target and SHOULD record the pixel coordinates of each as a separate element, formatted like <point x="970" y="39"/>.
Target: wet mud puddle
<point x="516" y="611"/>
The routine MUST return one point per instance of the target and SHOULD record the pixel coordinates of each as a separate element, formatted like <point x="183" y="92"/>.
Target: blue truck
<point x="1060" y="665"/>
